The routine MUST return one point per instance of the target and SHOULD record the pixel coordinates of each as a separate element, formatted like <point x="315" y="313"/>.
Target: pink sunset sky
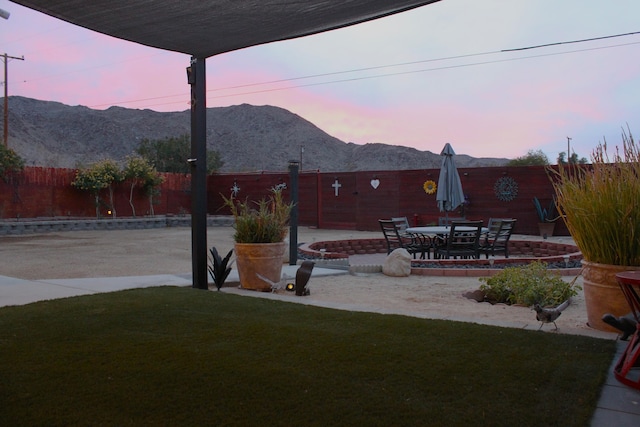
<point x="388" y="81"/>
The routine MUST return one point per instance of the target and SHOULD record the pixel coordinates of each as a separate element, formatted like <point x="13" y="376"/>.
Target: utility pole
<point x="301" y="151"/>
<point x="6" y="59"/>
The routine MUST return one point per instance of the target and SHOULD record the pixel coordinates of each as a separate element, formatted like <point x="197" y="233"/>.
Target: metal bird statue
<point x="549" y="315"/>
<point x="627" y="324"/>
<point x="302" y="277"/>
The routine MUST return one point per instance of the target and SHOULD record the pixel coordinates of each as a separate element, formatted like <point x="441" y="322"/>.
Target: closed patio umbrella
<point x="449" y="195"/>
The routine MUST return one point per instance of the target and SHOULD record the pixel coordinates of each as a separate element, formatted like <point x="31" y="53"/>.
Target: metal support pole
<point x="197" y="79"/>
<point x="6" y="95"/>
<point x="293" y="220"/>
<point x="6" y="102"/>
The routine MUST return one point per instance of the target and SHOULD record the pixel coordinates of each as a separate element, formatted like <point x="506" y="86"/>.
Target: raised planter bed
<point x="520" y="251"/>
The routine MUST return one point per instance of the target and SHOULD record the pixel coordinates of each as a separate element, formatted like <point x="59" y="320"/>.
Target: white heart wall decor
<point x="375" y="183"/>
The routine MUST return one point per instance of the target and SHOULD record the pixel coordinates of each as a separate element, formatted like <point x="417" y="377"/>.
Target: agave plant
<point x="219" y="267"/>
<point x="545" y="214"/>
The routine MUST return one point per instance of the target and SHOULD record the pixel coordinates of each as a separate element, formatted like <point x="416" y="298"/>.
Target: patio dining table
<point x="432" y="236"/>
<point x="439" y="230"/>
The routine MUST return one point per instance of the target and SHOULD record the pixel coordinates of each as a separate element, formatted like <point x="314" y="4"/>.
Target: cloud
<point x="512" y="103"/>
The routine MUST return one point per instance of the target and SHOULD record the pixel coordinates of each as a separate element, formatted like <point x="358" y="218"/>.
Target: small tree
<point x="151" y="187"/>
<point x="10" y="162"/>
<point x="171" y="154"/>
<point x="532" y="158"/>
<point x="138" y="171"/>
<point x="99" y="176"/>
<point x="574" y="160"/>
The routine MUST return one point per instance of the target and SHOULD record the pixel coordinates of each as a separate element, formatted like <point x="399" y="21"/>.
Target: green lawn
<point x="179" y="356"/>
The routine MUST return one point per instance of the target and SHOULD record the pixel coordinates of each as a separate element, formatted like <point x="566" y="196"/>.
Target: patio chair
<point x="417" y="240"/>
<point x="396" y="240"/>
<point x="496" y="240"/>
<point x="492" y="227"/>
<point x="402" y="223"/>
<point x="462" y="241"/>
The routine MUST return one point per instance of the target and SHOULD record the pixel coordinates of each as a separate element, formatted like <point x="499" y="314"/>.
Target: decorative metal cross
<point x="336" y="185"/>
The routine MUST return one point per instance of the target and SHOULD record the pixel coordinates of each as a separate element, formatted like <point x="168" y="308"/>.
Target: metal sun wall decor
<point x="506" y="189"/>
<point x="429" y="187"/>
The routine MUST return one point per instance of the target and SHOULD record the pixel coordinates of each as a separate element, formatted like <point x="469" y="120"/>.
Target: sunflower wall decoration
<point x="429" y="187"/>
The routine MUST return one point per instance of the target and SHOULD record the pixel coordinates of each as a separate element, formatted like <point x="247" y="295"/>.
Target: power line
<point x="572" y="41"/>
<point x="357" y="70"/>
<point x="448" y="67"/>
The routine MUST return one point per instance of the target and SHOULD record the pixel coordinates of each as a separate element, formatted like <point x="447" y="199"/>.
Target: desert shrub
<point x="528" y="285"/>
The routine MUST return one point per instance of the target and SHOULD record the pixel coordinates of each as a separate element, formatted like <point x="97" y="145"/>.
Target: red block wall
<point x="47" y="192"/>
<point x="361" y="199"/>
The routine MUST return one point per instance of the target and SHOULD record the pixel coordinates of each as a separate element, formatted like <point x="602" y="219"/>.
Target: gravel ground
<point x="117" y="253"/>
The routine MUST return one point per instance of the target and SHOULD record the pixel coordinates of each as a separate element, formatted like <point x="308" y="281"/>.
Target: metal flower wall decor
<point x="506" y="189"/>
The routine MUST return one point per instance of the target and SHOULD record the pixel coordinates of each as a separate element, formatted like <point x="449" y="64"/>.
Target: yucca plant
<point x="600" y="203"/>
<point x="264" y="221"/>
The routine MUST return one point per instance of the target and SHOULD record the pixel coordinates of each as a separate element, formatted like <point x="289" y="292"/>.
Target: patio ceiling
<point x="203" y="28"/>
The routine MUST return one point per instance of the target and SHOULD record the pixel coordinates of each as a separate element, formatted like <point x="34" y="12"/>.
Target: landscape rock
<point x="397" y="264"/>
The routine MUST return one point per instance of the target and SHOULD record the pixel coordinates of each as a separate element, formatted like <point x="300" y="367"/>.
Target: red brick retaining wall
<point x="521" y="251"/>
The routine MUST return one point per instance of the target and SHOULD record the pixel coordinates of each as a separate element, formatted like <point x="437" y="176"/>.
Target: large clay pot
<point x="602" y="293"/>
<point x="546" y="229"/>
<point x="259" y="259"/>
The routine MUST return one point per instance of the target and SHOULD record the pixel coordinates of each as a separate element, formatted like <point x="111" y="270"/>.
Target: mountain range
<point x="248" y="137"/>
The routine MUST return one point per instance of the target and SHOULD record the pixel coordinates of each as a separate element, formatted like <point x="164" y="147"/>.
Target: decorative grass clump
<point x="528" y="285"/>
<point x="600" y="203"/>
<point x="179" y="356"/>
<point x="266" y="222"/>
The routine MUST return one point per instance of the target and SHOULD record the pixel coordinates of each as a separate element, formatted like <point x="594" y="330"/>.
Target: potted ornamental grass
<point x="600" y="204"/>
<point x="260" y="230"/>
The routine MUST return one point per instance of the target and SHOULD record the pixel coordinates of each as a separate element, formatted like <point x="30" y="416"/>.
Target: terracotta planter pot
<point x="259" y="259"/>
<point x="602" y="293"/>
<point x="546" y="229"/>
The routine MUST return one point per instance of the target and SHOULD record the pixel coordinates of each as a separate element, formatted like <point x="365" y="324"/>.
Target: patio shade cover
<point x="450" y="194"/>
<point x="203" y="28"/>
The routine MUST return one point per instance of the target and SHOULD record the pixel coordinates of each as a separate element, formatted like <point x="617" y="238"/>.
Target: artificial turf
<point x="180" y="356"/>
